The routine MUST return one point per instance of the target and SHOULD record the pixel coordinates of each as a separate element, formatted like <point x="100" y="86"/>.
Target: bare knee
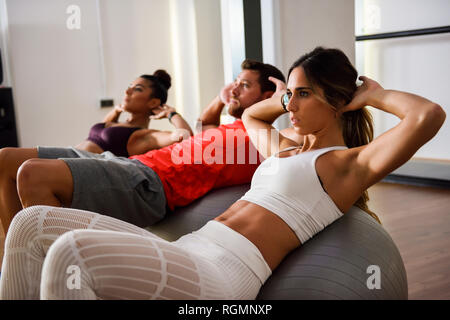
<point x="46" y="182"/>
<point x="30" y="174"/>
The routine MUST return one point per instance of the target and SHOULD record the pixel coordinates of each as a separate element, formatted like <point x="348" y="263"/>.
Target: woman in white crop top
<point x="297" y="191"/>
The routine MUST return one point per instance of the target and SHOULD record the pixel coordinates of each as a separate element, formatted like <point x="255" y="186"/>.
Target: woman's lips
<point x="294" y="121"/>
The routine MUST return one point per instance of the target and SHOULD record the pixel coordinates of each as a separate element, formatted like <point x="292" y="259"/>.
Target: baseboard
<point x="422" y="172"/>
<point x="417" y="181"/>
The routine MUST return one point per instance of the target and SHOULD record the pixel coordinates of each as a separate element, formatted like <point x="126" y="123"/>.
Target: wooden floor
<point x="418" y="220"/>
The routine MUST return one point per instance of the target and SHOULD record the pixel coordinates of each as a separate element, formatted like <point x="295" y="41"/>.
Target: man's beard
<point x="235" y="111"/>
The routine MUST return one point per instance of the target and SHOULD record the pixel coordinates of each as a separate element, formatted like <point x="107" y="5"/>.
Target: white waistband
<point x="239" y="245"/>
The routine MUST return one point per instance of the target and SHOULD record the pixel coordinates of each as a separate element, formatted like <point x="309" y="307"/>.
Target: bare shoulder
<point x="142" y="134"/>
<point x="336" y="162"/>
<point x="142" y="141"/>
<point x="340" y="176"/>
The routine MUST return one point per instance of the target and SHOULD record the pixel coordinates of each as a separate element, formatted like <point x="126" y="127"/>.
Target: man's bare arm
<point x="210" y="117"/>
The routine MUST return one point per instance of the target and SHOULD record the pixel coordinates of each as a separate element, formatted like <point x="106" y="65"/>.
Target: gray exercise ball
<point x="354" y="258"/>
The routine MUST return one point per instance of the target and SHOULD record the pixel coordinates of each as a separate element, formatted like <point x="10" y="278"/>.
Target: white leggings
<point x="116" y="260"/>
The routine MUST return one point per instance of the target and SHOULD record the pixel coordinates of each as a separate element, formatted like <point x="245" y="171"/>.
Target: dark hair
<point x="331" y="70"/>
<point x="265" y="71"/>
<point x="160" y="82"/>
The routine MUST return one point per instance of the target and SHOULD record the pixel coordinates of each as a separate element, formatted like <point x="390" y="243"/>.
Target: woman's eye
<point x="303" y="93"/>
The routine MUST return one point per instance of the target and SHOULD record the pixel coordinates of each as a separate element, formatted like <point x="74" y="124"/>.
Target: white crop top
<point x="291" y="189"/>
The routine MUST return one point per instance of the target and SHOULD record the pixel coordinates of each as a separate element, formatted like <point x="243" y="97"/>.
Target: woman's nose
<point x="128" y="91"/>
<point x="291" y="106"/>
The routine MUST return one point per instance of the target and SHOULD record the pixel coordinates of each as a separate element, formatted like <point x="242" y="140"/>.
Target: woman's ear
<point x="153" y="103"/>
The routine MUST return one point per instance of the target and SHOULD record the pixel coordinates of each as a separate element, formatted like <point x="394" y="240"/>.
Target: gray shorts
<point x="114" y="186"/>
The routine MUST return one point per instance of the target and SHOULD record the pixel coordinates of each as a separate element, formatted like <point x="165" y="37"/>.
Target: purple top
<point x="113" y="139"/>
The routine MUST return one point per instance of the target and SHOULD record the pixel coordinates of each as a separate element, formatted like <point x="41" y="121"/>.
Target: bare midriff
<point x="267" y="231"/>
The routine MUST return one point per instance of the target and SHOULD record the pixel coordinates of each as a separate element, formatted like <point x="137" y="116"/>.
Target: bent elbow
<point x="432" y="119"/>
<point x="442" y="113"/>
<point x="437" y="115"/>
<point x="245" y="116"/>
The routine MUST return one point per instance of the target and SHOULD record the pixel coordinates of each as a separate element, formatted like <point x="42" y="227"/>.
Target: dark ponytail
<point x="160" y="82"/>
<point x="331" y="70"/>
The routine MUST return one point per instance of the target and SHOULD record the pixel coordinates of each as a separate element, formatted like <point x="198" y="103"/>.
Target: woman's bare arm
<point x="113" y="115"/>
<point x="258" y="121"/>
<point x="142" y="141"/>
<point x="420" y="119"/>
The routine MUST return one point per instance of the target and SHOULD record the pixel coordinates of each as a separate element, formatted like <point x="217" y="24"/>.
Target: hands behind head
<point x="280" y="87"/>
<point x="225" y="93"/>
<point x="119" y="108"/>
<point x="162" y="112"/>
<point x="362" y="95"/>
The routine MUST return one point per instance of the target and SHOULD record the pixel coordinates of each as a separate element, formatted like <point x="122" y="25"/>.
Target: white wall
<point x="209" y="49"/>
<point x="306" y="24"/>
<point x="54" y="71"/>
<point x="419" y="64"/>
<point x="57" y="74"/>
<point x="136" y="38"/>
<point x="379" y="16"/>
<point x="298" y="26"/>
<point x="3" y="41"/>
<point x="197" y="54"/>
